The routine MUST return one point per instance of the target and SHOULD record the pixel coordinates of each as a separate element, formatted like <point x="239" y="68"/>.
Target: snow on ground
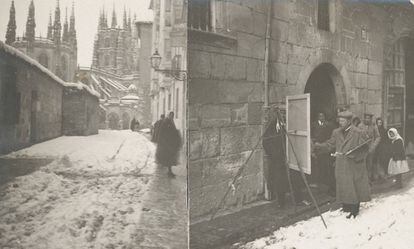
<point x="385" y="222"/>
<point x="88" y="197"/>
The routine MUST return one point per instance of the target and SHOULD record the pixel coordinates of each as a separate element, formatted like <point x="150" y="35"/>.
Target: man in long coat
<point x="372" y="131"/>
<point x="168" y="144"/>
<point x="322" y="168"/>
<point x="352" y="183"/>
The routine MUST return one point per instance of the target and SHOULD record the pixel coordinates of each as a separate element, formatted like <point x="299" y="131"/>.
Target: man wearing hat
<point x="349" y="146"/>
<point x="373" y="133"/>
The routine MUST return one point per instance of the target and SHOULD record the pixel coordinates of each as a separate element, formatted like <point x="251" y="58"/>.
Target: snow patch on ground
<point x="88" y="197"/>
<point x="385" y="222"/>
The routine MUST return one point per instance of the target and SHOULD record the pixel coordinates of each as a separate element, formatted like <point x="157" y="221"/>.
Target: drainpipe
<point x="266" y="109"/>
<point x="267" y="53"/>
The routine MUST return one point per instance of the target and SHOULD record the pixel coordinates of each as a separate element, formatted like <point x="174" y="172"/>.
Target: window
<point x="106" y="60"/>
<point x="64" y="68"/>
<point x="395" y="86"/>
<point x="323" y="15"/>
<point x="169" y="101"/>
<point x="10" y="97"/>
<point x="177" y="98"/>
<point x="199" y="15"/>
<point x="163" y="105"/>
<point x="107" y="42"/>
<point x="44" y="60"/>
<point x="167" y="49"/>
<point x="167" y="5"/>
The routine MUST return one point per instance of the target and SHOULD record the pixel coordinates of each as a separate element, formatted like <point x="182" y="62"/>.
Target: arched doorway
<point x="125" y="121"/>
<point x="113" y="121"/>
<point x="321" y="86"/>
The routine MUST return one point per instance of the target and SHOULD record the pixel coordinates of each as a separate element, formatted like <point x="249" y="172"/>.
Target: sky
<point x="86" y="18"/>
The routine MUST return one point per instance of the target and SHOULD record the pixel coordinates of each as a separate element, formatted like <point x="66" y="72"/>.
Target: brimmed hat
<point x="368" y="115"/>
<point x="345" y="114"/>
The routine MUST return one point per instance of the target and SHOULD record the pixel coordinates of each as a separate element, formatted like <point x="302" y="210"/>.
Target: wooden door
<point x="298" y="140"/>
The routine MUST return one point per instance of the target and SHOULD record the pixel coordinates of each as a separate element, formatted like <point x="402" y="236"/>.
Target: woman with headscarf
<point x="398" y="162"/>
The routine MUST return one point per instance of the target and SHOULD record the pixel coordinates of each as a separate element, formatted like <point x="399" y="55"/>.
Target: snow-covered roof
<point x="130" y="97"/>
<point x="81" y="86"/>
<point x="15" y="52"/>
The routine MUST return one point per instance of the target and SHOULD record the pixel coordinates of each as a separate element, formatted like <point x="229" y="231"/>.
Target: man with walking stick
<point x="351" y="146"/>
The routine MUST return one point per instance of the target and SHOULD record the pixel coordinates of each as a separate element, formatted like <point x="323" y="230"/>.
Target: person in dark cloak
<point x="132" y="125"/>
<point x="168" y="144"/>
<point x="351" y="147"/>
<point x="274" y="144"/>
<point x="382" y="154"/>
<point x="156" y="128"/>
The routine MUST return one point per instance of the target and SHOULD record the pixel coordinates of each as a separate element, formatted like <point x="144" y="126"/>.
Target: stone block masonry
<point x="226" y="90"/>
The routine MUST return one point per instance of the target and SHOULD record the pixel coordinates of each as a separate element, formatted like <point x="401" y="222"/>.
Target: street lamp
<point x="177" y="74"/>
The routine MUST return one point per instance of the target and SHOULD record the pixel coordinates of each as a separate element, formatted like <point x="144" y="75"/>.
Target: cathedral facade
<point x="120" y="71"/>
<point x="57" y="51"/>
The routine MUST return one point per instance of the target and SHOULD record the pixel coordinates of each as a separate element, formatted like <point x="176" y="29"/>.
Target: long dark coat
<point x="352" y="183"/>
<point x="168" y="144"/>
<point x="155" y="131"/>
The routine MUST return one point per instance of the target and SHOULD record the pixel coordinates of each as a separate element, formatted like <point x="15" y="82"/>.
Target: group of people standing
<point x="347" y="157"/>
<point x="168" y="140"/>
<point x="361" y="152"/>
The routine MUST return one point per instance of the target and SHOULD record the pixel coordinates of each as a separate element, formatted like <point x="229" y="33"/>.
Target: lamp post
<point x="177" y="74"/>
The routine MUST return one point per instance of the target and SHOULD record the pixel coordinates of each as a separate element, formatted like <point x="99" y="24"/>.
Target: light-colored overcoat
<point x="352" y="183"/>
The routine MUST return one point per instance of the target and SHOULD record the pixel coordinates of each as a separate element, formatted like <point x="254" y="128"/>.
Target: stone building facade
<point x="170" y="40"/>
<point x="35" y="106"/>
<point x="345" y="54"/>
<point x="57" y="51"/>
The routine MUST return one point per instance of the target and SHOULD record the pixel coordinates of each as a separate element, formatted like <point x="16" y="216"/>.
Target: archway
<point x="125" y="121"/>
<point x="321" y="86"/>
<point x="113" y="121"/>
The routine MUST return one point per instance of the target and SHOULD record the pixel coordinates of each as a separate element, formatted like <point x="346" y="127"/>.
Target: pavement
<point x="233" y="230"/>
<point x="164" y="220"/>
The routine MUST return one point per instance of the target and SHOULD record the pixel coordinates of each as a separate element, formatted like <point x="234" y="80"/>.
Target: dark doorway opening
<point x="320" y="85"/>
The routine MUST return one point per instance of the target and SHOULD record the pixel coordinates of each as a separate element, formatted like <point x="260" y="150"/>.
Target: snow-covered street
<point x="385" y="222"/>
<point x="90" y="196"/>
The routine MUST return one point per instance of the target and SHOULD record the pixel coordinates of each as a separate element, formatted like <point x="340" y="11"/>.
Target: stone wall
<point x="226" y="91"/>
<point x="38" y="119"/>
<point x="80" y="112"/>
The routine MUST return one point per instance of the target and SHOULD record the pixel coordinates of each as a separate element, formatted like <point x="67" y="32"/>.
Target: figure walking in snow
<point x="156" y="128"/>
<point x="398" y="162"/>
<point x="352" y="183"/>
<point x="169" y="142"/>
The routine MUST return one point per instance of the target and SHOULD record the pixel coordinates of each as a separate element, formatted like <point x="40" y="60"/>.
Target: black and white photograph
<point x="206" y="124"/>
<point x="300" y="124"/>
<point x="86" y="161"/>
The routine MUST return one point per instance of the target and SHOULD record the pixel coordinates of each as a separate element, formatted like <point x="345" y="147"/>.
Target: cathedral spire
<point x="65" y="36"/>
<point x="125" y="20"/>
<point x="72" y="29"/>
<point x="50" y="27"/>
<point x="57" y="27"/>
<point x="114" y="21"/>
<point x="11" y="26"/>
<point x="129" y="19"/>
<point x="30" y="25"/>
